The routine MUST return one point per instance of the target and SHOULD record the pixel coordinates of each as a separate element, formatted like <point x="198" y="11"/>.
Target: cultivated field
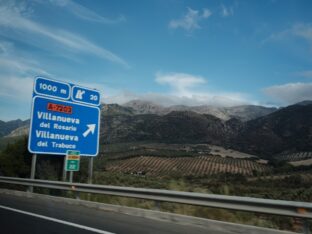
<point x="186" y="166"/>
<point x="294" y="156"/>
<point x="134" y="149"/>
<point x="306" y="162"/>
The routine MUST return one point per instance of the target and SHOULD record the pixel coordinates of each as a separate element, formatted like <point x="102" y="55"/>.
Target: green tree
<point x="15" y="160"/>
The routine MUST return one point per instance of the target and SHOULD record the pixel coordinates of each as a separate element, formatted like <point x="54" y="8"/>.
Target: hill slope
<point x="175" y="127"/>
<point x="9" y="126"/>
<point x="288" y="129"/>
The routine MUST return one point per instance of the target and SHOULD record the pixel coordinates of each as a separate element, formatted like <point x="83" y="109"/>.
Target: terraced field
<point x="186" y="166"/>
<point x="294" y="156"/>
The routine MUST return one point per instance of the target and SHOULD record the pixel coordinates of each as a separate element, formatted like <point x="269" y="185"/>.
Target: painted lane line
<point x="57" y="220"/>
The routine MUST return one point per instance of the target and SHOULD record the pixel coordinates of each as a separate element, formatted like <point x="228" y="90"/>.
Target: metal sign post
<point x="33" y="170"/>
<point x="90" y="170"/>
<point x="64" y="174"/>
<point x="33" y="166"/>
<point x="71" y="176"/>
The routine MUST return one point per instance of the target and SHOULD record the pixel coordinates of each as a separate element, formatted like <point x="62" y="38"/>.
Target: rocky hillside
<point x="7" y="127"/>
<point x="288" y="129"/>
<point x="175" y="127"/>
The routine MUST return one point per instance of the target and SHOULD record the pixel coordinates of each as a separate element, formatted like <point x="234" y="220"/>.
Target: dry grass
<point x="217" y="150"/>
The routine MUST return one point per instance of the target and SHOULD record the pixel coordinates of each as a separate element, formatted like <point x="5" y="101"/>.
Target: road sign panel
<point x="87" y="96"/>
<point x="58" y="126"/>
<point x="51" y="88"/>
<point x="72" y="162"/>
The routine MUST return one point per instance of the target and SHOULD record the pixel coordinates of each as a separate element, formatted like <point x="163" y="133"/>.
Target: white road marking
<point x="57" y="220"/>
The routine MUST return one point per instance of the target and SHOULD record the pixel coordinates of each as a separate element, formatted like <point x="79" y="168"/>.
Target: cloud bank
<point x="290" y="93"/>
<point x="299" y="30"/>
<point x="184" y="89"/>
<point x="180" y="83"/>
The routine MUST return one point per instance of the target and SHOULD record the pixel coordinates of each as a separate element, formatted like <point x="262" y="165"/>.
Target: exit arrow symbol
<point x="91" y="129"/>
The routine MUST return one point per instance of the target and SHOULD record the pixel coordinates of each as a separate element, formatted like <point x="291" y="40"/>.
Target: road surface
<point x="22" y="215"/>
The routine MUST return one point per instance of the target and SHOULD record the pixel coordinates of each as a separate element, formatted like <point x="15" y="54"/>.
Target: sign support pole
<point x="64" y="175"/>
<point x="71" y="175"/>
<point x="90" y="173"/>
<point x="33" y="170"/>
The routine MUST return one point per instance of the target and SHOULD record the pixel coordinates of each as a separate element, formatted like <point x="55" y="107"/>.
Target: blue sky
<point x="167" y="51"/>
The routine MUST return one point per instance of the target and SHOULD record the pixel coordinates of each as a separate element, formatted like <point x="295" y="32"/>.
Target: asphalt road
<point x="21" y="215"/>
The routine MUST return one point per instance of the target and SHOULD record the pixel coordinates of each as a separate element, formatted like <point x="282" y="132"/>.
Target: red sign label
<point x="60" y="108"/>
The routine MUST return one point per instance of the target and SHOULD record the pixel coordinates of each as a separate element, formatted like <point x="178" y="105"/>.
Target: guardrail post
<point x="77" y="195"/>
<point x="64" y="175"/>
<point x="32" y="171"/>
<point x="90" y="175"/>
<point x="306" y="227"/>
<point x="157" y="205"/>
<point x="90" y="170"/>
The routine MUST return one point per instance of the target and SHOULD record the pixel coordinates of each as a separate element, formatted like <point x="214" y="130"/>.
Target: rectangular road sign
<point x="72" y="160"/>
<point x="60" y="122"/>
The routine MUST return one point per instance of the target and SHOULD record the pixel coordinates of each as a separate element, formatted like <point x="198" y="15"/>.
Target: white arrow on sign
<point x="91" y="128"/>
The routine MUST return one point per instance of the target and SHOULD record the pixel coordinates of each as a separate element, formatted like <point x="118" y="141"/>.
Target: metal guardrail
<point x="258" y="205"/>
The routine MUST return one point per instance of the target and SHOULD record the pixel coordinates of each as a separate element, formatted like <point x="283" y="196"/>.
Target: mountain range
<point x="9" y="126"/>
<point x="243" y="112"/>
<point x="252" y="129"/>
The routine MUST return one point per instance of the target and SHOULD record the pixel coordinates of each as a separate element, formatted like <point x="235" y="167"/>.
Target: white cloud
<point x="190" y="20"/>
<point x="179" y="82"/>
<point x="11" y="17"/>
<point x="170" y="100"/>
<point x="187" y="89"/>
<point x="226" y="11"/>
<point x="206" y="13"/>
<point x="303" y="31"/>
<point x="5" y="47"/>
<point x="184" y="90"/>
<point x="13" y="63"/>
<point x="290" y="93"/>
<point x="20" y="66"/>
<point x="82" y="12"/>
<point x="300" y="30"/>
<point x="15" y="96"/>
<point x="16" y="88"/>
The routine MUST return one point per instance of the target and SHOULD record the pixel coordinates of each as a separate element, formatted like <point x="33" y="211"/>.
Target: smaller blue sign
<point x="84" y="95"/>
<point x="52" y="88"/>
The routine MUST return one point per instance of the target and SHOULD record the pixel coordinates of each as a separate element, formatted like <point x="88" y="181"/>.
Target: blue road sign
<point x="58" y="125"/>
<point x="84" y="95"/>
<point x="51" y="88"/>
